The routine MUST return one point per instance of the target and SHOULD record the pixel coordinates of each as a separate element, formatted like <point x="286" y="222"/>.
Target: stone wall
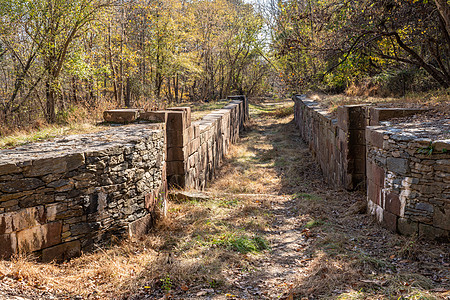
<point x="409" y="179"/>
<point x="405" y="172"/>
<point x="196" y="149"/>
<point x="60" y="197"/>
<point x="338" y="144"/>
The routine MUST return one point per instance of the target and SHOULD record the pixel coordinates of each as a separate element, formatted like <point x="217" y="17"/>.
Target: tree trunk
<point x="128" y="94"/>
<point x="50" y="92"/>
<point x="169" y="91"/>
<point x="74" y="90"/>
<point x="444" y="10"/>
<point x="175" y="87"/>
<point x="113" y="69"/>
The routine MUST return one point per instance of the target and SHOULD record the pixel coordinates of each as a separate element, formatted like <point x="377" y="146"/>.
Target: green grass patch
<point x="212" y="105"/>
<point x="228" y="203"/>
<point x="241" y="243"/>
<point x="46" y="133"/>
<point x="282" y="112"/>
<point x="314" y="223"/>
<point x="40" y="135"/>
<point x="307" y="196"/>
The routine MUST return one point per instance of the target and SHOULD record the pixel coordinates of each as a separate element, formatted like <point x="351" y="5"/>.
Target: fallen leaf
<point x="184" y="288"/>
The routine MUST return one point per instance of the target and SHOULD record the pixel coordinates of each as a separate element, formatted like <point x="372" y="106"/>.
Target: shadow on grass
<point x="341" y="252"/>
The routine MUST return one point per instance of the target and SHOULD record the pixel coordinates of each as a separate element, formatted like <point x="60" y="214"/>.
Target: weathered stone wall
<point x="407" y="189"/>
<point x="337" y="144"/>
<point x="63" y="196"/>
<point x="196" y="149"/>
<point x="409" y="179"/>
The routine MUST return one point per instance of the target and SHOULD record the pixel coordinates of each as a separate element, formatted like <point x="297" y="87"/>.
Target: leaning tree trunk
<point x="444" y="10"/>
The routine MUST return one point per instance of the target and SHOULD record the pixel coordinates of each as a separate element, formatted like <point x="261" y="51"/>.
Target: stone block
<point x="150" y="201"/>
<point x="359" y="151"/>
<point x="28" y="217"/>
<point x="441" y="218"/>
<point x="190" y="133"/>
<point x="176" y="153"/>
<point x="359" y="166"/>
<point x="193" y="160"/>
<point x="154" y="116"/>
<point x="427" y="188"/>
<point x="423" y="168"/>
<point x="6" y="223"/>
<point x="74" y="161"/>
<point x="377" y="174"/>
<point x="441" y="145"/>
<point x="374" y="192"/>
<point x="374" y="138"/>
<point x="389" y="221"/>
<point x="9" y="168"/>
<point x="193" y="146"/>
<point x="121" y="115"/>
<point x="431" y="232"/>
<point x="398" y="165"/>
<point x="62" y="252"/>
<point x="54" y="210"/>
<point x="20" y="185"/>
<point x="424" y="207"/>
<point x="83" y="228"/>
<point x="357" y="116"/>
<point x="39" y="237"/>
<point x="8" y="245"/>
<point x="407" y="227"/>
<point x="56" y="165"/>
<point x="392" y="203"/>
<point x="343" y="118"/>
<point x="186" y="112"/>
<point x="140" y="227"/>
<point x="176" y="120"/>
<point x="175" y="168"/>
<point x="442" y="165"/>
<point x="357" y="137"/>
<point x="46" y="166"/>
<point x="177" y="138"/>
<point x="196" y="130"/>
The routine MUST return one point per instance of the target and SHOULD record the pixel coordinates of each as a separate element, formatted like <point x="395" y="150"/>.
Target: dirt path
<point x="270" y="229"/>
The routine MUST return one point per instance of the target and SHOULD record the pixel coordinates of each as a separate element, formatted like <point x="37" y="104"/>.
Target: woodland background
<point x="66" y="60"/>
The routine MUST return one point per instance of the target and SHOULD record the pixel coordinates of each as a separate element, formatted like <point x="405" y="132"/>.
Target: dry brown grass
<point x="46" y="132"/>
<point x="438" y="100"/>
<point x="343" y="254"/>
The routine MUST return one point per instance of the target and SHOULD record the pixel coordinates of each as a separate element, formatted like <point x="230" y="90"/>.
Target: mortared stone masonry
<point x="405" y="172"/>
<point x="61" y="197"/>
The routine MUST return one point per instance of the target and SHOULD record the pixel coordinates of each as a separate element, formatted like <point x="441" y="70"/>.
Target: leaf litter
<point x="270" y="229"/>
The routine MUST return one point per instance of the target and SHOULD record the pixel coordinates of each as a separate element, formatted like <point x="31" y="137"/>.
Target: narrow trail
<point x="317" y="241"/>
<point x="269" y="228"/>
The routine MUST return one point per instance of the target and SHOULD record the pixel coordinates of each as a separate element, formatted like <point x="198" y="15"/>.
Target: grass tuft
<point x="242" y="243"/>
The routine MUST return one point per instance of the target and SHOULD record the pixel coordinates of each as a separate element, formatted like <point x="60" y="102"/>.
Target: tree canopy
<point x="340" y="42"/>
<point x="55" y="53"/>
